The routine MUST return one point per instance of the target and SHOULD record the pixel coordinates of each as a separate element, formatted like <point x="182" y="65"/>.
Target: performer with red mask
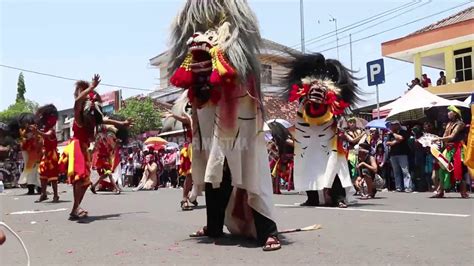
<point x="47" y="116"/>
<point x="76" y="158"/>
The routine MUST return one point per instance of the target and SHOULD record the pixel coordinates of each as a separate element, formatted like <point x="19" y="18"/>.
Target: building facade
<point x="446" y="45"/>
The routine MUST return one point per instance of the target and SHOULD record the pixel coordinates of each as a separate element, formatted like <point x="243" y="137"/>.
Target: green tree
<point x="143" y="113"/>
<point x="21" y="89"/>
<point x="25" y="106"/>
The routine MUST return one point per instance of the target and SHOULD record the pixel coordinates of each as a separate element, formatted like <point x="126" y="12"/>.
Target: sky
<point x="116" y="38"/>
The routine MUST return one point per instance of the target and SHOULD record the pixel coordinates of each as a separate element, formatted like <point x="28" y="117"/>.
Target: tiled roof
<point x="276" y="107"/>
<point x="464" y="15"/>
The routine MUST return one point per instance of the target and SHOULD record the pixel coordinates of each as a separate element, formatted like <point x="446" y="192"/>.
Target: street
<point x="149" y="228"/>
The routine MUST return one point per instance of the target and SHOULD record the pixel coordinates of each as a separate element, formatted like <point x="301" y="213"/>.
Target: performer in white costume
<point x="324" y="88"/>
<point x="214" y="56"/>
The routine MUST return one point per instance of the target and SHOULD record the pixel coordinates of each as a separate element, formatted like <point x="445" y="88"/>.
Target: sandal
<point x="93" y="190"/>
<point x="464" y="195"/>
<point x="79" y="214"/>
<point x="342" y="205"/>
<point x="272" y="244"/>
<point x="437" y="196"/>
<point x="55" y="199"/>
<point x="42" y="198"/>
<point x="195" y="203"/>
<point x="185" y="206"/>
<point x="201" y="233"/>
<point x="308" y="204"/>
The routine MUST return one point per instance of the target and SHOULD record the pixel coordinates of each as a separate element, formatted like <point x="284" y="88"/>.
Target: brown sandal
<point x="272" y="244"/>
<point x="78" y="214"/>
<point x="185" y="206"/>
<point x="201" y="233"/>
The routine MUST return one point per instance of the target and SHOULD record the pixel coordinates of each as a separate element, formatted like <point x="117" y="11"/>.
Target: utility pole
<point x="302" y="26"/>
<point x="350" y="49"/>
<point x="337" y="38"/>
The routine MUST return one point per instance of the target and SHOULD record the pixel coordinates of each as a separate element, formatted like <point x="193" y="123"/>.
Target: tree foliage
<point x="21" y="89"/>
<point x="17" y="108"/>
<point x="143" y="113"/>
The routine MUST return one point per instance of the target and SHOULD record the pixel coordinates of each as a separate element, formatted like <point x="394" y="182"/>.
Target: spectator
<point x="431" y="165"/>
<point x="150" y="175"/>
<point x="442" y="79"/>
<point x="425" y="81"/>
<point x="366" y="168"/>
<point x="354" y="136"/>
<point x="417" y="82"/>
<point x="399" y="150"/>
<point x="129" y="168"/>
<point x="381" y="159"/>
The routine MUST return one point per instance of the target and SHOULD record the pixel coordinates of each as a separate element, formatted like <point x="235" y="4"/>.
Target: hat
<point x="453" y="108"/>
<point x="352" y="119"/>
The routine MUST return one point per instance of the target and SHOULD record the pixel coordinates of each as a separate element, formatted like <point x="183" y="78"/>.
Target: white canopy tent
<point x="411" y="106"/>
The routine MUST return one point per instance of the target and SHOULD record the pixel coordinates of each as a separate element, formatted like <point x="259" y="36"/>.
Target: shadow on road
<point x="231" y="240"/>
<point x="90" y="219"/>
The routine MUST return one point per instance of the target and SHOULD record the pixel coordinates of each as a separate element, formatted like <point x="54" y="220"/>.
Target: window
<point x="463" y="64"/>
<point x="267" y="74"/>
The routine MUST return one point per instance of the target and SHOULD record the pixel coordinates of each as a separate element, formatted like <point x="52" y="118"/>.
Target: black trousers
<point x="216" y="204"/>
<point x="337" y="193"/>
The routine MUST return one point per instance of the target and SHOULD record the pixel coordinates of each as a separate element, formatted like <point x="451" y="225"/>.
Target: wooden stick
<point x="307" y="228"/>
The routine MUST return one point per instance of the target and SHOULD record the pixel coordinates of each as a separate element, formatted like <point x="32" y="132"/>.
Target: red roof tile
<point x="276" y="107"/>
<point x="464" y="15"/>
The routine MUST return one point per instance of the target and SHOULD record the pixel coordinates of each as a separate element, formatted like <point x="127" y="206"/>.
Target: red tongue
<point x="316" y="110"/>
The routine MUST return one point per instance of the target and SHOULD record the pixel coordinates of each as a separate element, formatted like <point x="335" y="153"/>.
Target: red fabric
<point x="83" y="134"/>
<point x="182" y="78"/>
<point x="49" y="162"/>
<point x="457" y="161"/>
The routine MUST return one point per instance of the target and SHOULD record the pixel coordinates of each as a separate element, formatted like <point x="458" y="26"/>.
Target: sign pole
<point x="378" y="102"/>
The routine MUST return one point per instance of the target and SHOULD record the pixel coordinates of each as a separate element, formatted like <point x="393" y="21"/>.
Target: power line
<point x="399" y="26"/>
<point x="352" y="26"/>
<point x="367" y="20"/>
<point x="66" y="78"/>
<point x="377" y="24"/>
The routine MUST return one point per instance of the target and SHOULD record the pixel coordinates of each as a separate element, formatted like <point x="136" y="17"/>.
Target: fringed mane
<point x="317" y="66"/>
<point x="280" y="135"/>
<point x="241" y="48"/>
<point x="122" y="132"/>
<point x="20" y="122"/>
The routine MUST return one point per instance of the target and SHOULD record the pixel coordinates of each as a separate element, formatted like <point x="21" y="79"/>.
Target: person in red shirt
<point x="425" y="81"/>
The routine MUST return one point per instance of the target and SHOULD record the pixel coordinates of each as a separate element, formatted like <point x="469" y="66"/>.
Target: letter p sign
<point x="375" y="72"/>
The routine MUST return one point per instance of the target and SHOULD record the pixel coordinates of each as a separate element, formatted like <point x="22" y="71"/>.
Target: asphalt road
<point x="148" y="228"/>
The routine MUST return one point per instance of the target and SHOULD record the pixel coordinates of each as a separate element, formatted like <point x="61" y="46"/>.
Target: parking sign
<point x="375" y="72"/>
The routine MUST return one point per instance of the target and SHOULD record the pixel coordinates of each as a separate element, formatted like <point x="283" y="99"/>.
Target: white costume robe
<point x="244" y="148"/>
<point x="317" y="160"/>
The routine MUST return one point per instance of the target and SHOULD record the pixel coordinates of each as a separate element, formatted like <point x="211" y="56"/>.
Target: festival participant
<point x="324" y="88"/>
<point x="76" y="159"/>
<point x="31" y="145"/>
<point x="283" y="167"/>
<point x="453" y="138"/>
<point x="353" y="136"/>
<point x="182" y="112"/>
<point x="107" y="151"/>
<point x="47" y="116"/>
<point x="214" y="57"/>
